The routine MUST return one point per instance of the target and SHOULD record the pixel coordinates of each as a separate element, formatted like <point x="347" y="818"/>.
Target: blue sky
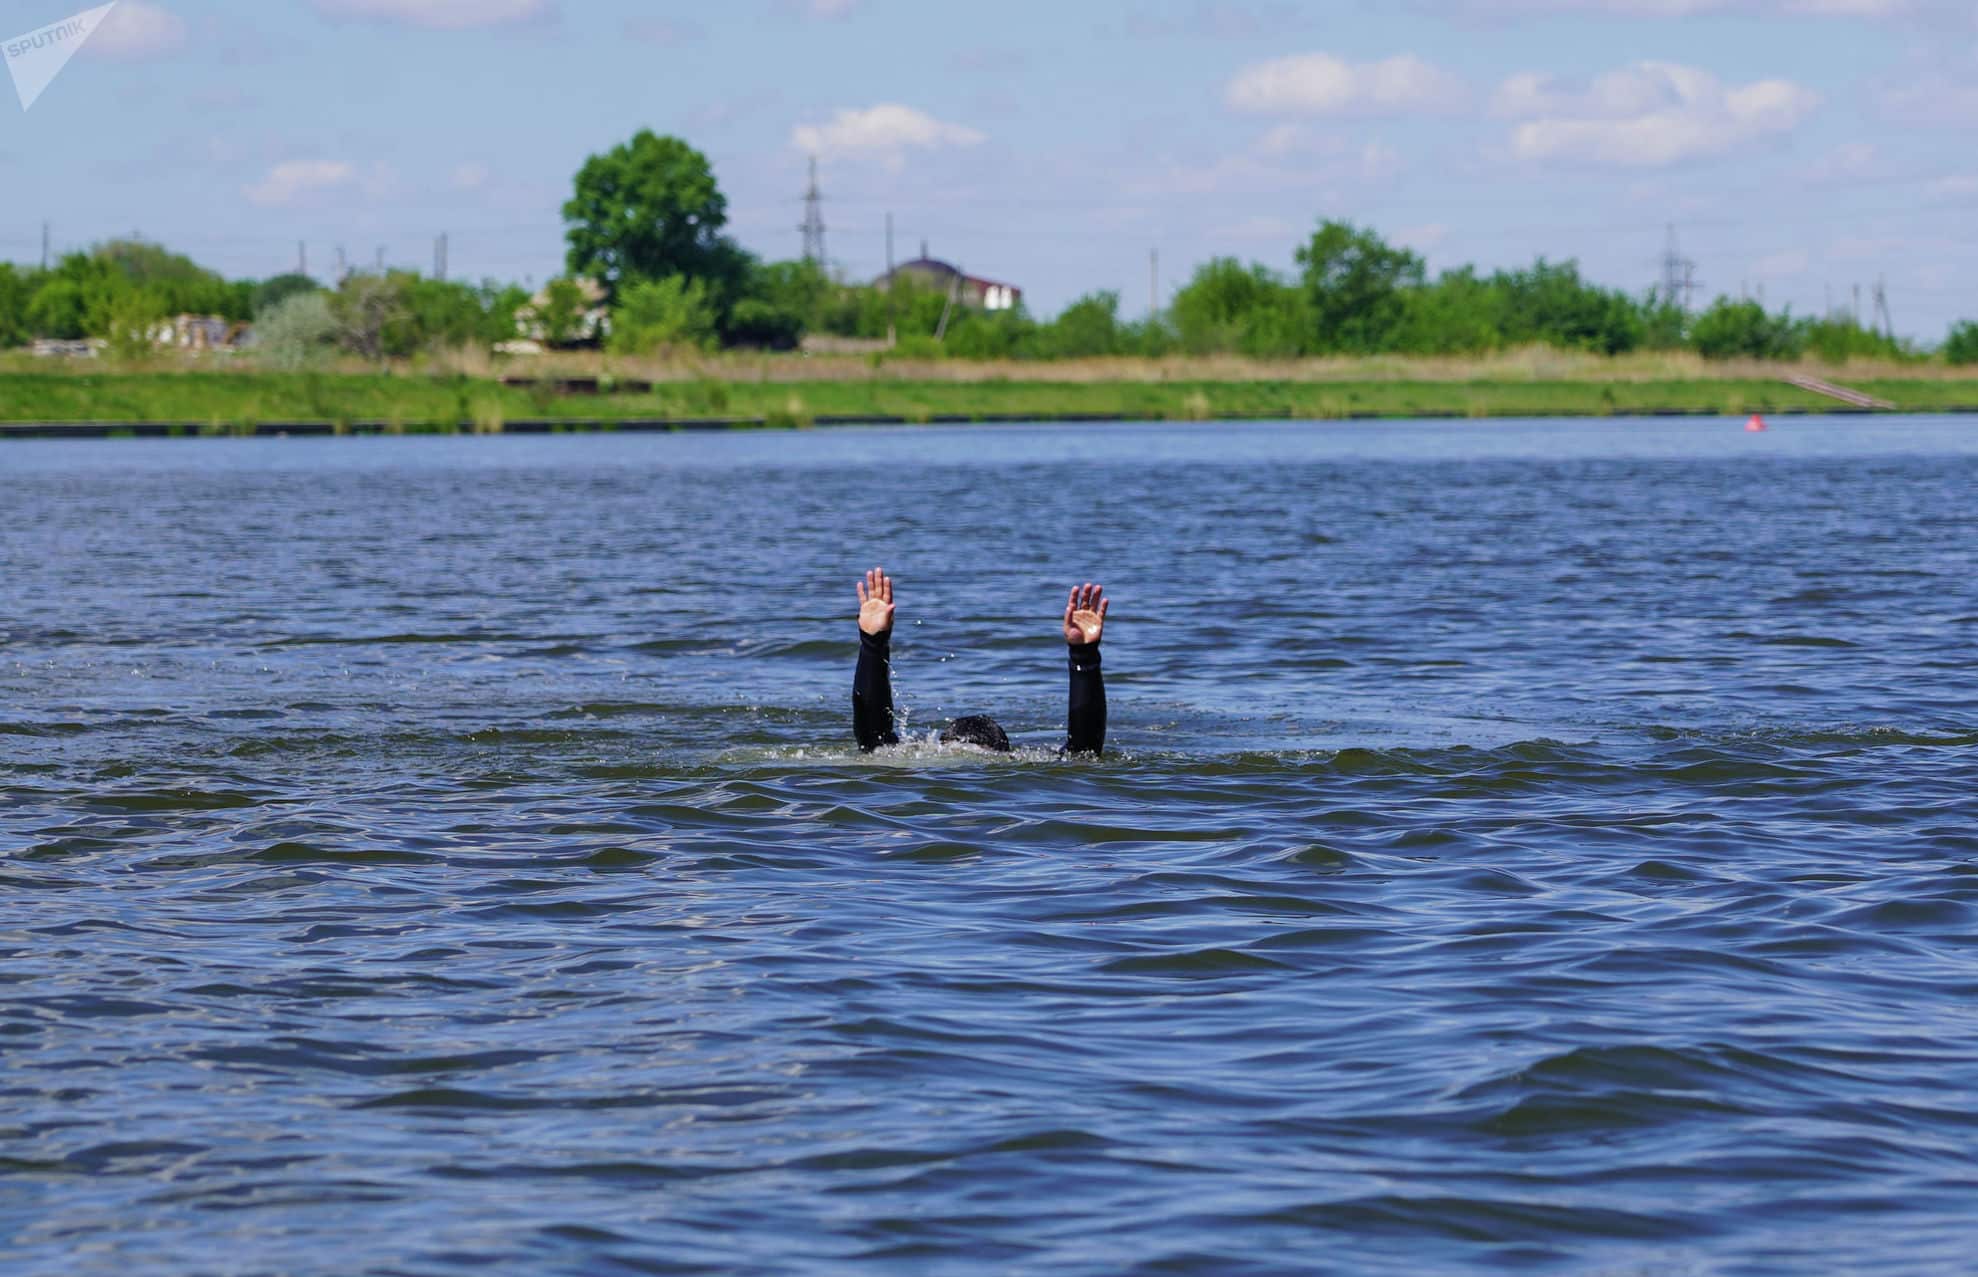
<point x="1801" y="147"/>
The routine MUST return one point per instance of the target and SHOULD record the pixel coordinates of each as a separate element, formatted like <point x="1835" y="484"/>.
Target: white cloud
<point x="441" y="15"/>
<point x="1647" y="115"/>
<point x="1959" y="186"/>
<point x="294" y="181"/>
<point x="1321" y="84"/>
<point x="886" y="131"/>
<point x="136" y="30"/>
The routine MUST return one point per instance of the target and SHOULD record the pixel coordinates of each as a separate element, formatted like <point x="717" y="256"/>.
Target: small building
<point x="198" y="333"/>
<point x="970" y="290"/>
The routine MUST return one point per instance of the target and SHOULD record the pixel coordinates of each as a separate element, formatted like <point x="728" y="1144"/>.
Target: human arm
<point x="1084" y="625"/>
<point x="872" y="685"/>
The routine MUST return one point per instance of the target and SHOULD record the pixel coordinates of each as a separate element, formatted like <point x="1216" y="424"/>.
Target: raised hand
<point x="876" y="603"/>
<point x="1085" y="615"/>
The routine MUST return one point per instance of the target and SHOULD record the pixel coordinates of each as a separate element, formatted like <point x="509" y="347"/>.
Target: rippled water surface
<point x="1523" y="846"/>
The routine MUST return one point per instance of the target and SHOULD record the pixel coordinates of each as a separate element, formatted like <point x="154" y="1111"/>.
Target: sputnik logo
<point x="35" y="59"/>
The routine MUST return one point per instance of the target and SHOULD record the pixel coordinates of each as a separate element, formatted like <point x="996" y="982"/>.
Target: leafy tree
<point x="16" y="290"/>
<point x="561" y="314"/>
<point x="57" y="310"/>
<point x="1838" y="338"/>
<point x="369" y="310"/>
<point x="1664" y="324"/>
<point x="1550" y="303"/>
<point x="131" y="321"/>
<point x="650" y="209"/>
<point x="1731" y="329"/>
<point x="177" y="283"/>
<point x="1961" y="347"/>
<point x="1086" y="329"/>
<point x="780" y="302"/>
<point x="1355" y="286"/>
<point x="763" y="325"/>
<point x="1228" y="306"/>
<point x="273" y="292"/>
<point x="500" y="306"/>
<point x="1458" y="314"/>
<point x="436" y="314"/>
<point x="992" y="334"/>
<point x="663" y="314"/>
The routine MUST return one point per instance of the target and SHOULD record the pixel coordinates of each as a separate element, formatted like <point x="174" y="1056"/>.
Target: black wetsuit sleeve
<point x="872" y="693"/>
<point x="1086" y="732"/>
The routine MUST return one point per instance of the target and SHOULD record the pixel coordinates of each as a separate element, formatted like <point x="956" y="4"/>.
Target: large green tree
<point x="1356" y="287"/>
<point x="648" y="210"/>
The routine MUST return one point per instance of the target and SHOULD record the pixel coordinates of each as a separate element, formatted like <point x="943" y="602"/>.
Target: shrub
<point x="662" y="314"/>
<point x="1743" y="328"/>
<point x="1962" y="345"/>
<point x="297" y="332"/>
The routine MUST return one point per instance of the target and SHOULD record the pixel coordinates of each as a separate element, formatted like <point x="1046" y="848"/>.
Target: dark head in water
<point x="974" y="729"/>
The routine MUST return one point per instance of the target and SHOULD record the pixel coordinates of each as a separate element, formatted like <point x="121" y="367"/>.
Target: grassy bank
<point x="219" y="401"/>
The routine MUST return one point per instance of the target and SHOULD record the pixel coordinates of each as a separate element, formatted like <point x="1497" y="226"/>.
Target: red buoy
<point x="1756" y="424"/>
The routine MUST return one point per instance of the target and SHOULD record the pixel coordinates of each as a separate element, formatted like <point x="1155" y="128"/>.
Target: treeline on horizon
<point x="646" y="224"/>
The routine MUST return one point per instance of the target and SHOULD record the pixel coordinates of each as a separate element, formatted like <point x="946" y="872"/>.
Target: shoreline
<point x="248" y="403"/>
<point x="690" y="425"/>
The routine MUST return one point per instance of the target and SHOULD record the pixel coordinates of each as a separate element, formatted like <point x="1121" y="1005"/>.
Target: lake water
<point x="1536" y="846"/>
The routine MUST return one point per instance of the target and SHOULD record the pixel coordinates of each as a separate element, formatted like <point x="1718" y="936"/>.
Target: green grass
<point x="224" y="402"/>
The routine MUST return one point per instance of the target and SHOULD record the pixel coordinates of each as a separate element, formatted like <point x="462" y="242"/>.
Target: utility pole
<point x="813" y="227"/>
<point x="302" y="257"/>
<point x="381" y="259"/>
<point x="1882" y="308"/>
<point x="343" y="265"/>
<point x="889" y="245"/>
<point x="1857" y="305"/>
<point x="45" y="234"/>
<point x="439" y="258"/>
<point x="1678" y="273"/>
<point x="1154" y="283"/>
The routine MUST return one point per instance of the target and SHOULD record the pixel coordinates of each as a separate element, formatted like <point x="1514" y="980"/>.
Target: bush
<point x="662" y="314"/>
<point x="1838" y="340"/>
<point x="1731" y="329"/>
<point x="15" y="290"/>
<point x="1228" y="306"/>
<point x="297" y="333"/>
<point x="763" y="325"/>
<point x="57" y="310"/>
<point x="1962" y="345"/>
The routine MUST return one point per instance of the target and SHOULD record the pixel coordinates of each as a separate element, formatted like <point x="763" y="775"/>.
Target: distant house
<point x="969" y="290"/>
<point x="198" y="333"/>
